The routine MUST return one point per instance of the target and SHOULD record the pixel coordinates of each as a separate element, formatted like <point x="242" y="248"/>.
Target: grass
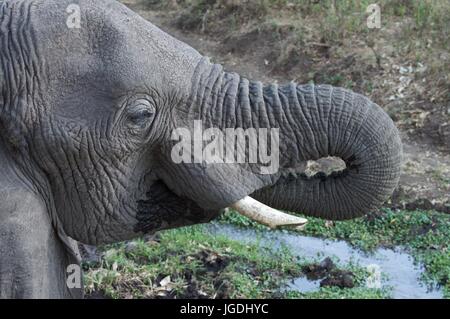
<point x="198" y="264"/>
<point x="339" y="19"/>
<point x="303" y="38"/>
<point x="191" y="263"/>
<point x="426" y="234"/>
<point x="337" y="293"/>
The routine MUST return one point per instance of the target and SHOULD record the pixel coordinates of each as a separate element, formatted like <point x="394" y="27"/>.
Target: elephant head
<point x="91" y="95"/>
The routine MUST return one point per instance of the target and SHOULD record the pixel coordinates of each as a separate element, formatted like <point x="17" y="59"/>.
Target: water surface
<point x="403" y="275"/>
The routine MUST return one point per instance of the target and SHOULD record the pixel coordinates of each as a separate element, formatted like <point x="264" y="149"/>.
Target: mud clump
<point x="329" y="274"/>
<point x="212" y="261"/>
<point x="211" y="264"/>
<point x="339" y="278"/>
<point x="318" y="271"/>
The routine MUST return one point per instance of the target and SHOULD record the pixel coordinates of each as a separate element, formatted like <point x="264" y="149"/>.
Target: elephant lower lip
<point x="162" y="209"/>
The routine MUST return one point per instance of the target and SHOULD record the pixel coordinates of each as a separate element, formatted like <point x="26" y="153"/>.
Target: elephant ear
<point x="35" y="252"/>
<point x="34" y="260"/>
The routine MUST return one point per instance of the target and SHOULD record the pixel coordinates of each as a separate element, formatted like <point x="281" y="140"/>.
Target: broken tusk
<point x="267" y="215"/>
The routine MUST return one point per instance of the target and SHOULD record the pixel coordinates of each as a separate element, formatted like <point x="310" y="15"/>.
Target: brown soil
<point x="375" y="67"/>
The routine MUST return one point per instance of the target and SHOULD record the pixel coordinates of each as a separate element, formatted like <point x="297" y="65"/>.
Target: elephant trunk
<point x="314" y="122"/>
<point x="323" y="121"/>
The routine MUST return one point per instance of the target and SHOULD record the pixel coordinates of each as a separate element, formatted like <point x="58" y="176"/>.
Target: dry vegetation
<point x="404" y="66"/>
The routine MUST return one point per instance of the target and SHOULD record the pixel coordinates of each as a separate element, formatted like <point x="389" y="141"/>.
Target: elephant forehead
<point x="90" y="40"/>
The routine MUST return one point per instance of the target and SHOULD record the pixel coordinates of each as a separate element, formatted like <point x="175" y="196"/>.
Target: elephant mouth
<point x="162" y="209"/>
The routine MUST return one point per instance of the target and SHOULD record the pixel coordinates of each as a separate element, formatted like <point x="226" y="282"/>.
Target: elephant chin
<point x="164" y="209"/>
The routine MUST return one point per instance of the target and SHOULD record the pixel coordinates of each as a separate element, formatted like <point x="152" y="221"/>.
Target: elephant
<point x="90" y="95"/>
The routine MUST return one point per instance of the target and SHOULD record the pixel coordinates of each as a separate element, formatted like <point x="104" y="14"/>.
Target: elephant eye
<point x="141" y="113"/>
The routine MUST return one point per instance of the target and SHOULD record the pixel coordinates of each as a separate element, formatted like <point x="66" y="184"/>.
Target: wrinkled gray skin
<point x="85" y="122"/>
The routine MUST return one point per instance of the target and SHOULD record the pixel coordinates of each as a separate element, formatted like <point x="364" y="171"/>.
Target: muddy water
<point x="402" y="275"/>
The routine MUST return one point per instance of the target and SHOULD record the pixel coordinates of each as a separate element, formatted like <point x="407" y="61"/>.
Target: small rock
<point x="403" y="70"/>
<point x="165" y="281"/>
